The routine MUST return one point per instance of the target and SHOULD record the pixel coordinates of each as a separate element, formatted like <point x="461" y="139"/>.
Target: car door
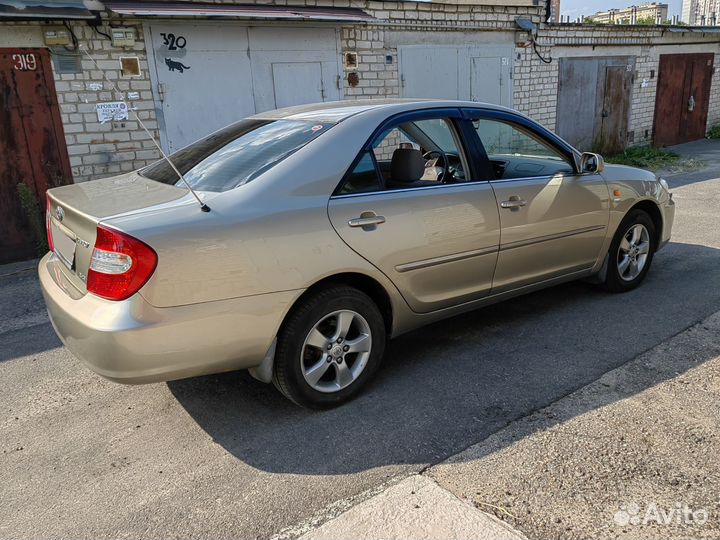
<point x="553" y="220"/>
<point x="437" y="241"/>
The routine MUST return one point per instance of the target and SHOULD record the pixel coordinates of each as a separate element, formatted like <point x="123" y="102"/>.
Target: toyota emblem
<point x="59" y="213"/>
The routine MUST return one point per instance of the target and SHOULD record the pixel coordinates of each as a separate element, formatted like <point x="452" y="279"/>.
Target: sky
<point x="575" y="8"/>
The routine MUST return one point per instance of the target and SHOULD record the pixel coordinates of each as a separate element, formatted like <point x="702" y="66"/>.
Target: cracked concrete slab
<point x="417" y="508"/>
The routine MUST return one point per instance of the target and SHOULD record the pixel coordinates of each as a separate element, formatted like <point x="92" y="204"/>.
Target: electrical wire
<point x="76" y="45"/>
<point x="540" y="56"/>
<point x="99" y="32"/>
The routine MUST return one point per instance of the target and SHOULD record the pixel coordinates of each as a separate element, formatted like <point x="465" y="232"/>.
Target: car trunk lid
<point x="75" y="211"/>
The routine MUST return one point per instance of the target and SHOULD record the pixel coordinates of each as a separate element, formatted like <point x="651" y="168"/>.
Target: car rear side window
<point x="363" y="178"/>
<point x="236" y="154"/>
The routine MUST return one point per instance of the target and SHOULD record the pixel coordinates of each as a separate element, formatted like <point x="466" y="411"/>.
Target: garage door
<point x="457" y="72"/>
<point x="207" y="76"/>
<point x="683" y="97"/>
<point x="593" y="102"/>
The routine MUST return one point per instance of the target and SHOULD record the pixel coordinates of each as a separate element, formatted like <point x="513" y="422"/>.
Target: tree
<point x="646" y="21"/>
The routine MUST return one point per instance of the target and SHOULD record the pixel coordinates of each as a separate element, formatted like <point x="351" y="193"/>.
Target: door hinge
<point x="162" y="89"/>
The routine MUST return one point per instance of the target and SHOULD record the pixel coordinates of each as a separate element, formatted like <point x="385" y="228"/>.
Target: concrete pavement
<point x="226" y="456"/>
<point x="631" y="455"/>
<point x="418" y="508"/>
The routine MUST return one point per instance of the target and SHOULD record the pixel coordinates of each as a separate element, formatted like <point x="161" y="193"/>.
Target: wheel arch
<point x="651" y="208"/>
<point x="363" y="283"/>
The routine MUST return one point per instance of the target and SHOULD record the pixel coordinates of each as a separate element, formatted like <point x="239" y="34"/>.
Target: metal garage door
<point x="482" y="73"/>
<point x="207" y="76"/>
<point x="593" y="103"/>
<point x="683" y="97"/>
<point x="32" y="148"/>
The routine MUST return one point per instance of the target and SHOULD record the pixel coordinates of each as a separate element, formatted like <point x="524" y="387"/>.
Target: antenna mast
<point x="204" y="207"/>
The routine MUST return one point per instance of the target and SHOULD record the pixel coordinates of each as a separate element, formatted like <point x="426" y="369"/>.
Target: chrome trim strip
<point x="540" y="239"/>
<point x="457" y="184"/>
<point x="405" y="190"/>
<point x="426" y="263"/>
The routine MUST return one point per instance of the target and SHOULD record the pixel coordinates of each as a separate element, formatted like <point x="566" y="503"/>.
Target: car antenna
<point x="204" y="207"/>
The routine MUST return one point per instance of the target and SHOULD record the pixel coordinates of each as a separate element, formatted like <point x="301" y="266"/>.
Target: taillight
<point x="120" y="265"/>
<point x="51" y="244"/>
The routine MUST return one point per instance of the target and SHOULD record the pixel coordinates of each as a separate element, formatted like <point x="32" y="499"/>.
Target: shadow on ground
<point x="451" y="384"/>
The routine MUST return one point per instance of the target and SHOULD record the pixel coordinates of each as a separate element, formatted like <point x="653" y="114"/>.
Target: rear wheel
<point x="329" y="347"/>
<point x="631" y="252"/>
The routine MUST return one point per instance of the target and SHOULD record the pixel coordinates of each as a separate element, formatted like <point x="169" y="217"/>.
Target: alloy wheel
<point x="336" y="351"/>
<point x="633" y="252"/>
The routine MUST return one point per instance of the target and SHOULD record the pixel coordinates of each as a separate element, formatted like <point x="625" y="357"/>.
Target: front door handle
<point x="367" y="220"/>
<point x="514" y="203"/>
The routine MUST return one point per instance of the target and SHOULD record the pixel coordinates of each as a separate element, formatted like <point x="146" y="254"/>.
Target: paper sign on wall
<point x="113" y="110"/>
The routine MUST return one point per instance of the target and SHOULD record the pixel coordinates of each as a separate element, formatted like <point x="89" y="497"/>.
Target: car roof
<point x="336" y="111"/>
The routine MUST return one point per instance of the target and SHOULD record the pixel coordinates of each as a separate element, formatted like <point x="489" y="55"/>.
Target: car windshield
<point x="236" y="154"/>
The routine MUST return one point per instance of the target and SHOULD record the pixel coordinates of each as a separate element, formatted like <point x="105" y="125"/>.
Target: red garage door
<point x="683" y="96"/>
<point x="32" y="145"/>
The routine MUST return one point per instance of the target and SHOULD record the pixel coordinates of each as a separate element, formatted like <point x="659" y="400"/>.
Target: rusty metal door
<point x="593" y="103"/>
<point x="32" y="145"/>
<point x="683" y="98"/>
<point x="615" y="114"/>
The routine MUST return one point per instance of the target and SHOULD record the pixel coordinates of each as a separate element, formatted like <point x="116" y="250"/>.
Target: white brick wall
<point x="714" y="110"/>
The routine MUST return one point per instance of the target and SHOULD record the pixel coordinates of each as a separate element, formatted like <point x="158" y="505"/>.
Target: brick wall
<point x="535" y="86"/>
<point x="103" y="149"/>
<point x="714" y="112"/>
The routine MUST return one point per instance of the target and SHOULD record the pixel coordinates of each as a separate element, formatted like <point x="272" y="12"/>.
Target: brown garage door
<point x="683" y="96"/>
<point x="32" y="145"/>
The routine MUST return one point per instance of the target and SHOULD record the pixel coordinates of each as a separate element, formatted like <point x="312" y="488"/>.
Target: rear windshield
<point x="236" y="154"/>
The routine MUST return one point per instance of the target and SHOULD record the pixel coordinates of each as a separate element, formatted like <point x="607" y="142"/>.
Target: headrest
<point x="407" y="165"/>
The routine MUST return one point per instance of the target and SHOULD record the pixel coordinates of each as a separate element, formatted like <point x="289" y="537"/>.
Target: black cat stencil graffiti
<point x="173" y="65"/>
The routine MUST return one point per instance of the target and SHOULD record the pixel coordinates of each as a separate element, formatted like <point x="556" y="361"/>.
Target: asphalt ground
<point x="227" y="456"/>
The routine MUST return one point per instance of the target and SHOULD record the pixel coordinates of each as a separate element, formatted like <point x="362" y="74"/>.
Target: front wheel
<point x="329" y="347"/>
<point x="631" y="252"/>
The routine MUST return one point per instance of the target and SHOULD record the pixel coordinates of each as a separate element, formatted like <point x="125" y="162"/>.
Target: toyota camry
<point x="295" y="243"/>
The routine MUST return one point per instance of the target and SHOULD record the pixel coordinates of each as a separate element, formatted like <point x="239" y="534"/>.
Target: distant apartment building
<point x="656" y="12"/>
<point x="701" y="12"/>
<point x="554" y="15"/>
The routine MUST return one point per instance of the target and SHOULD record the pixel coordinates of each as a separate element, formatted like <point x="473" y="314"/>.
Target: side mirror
<point x="591" y="163"/>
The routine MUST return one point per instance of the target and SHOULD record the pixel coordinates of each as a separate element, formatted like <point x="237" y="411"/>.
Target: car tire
<point x="631" y="252"/>
<point x="322" y="358"/>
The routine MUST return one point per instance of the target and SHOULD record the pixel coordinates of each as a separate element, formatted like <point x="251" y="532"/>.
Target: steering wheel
<point x="445" y="176"/>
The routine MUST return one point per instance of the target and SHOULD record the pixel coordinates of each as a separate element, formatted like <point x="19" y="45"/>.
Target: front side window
<point x="515" y="152"/>
<point x="417" y="153"/>
<point x="236" y="154"/>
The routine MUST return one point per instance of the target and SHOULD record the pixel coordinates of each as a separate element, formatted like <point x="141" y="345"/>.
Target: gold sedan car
<point x="315" y="233"/>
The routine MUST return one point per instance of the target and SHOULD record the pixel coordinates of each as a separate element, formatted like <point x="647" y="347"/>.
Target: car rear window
<point x="236" y="154"/>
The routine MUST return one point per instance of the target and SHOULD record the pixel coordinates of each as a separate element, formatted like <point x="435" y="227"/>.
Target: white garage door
<point x="206" y="76"/>
<point x="476" y="73"/>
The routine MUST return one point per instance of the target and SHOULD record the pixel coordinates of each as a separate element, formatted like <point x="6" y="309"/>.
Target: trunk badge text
<point x="59" y="213"/>
<point x="81" y="242"/>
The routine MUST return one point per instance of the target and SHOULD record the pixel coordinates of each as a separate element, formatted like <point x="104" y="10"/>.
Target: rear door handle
<point x="514" y="202"/>
<point x="367" y="220"/>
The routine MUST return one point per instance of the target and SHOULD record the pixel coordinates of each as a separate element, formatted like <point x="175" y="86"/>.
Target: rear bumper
<point x="134" y="342"/>
<point x="668" y="212"/>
